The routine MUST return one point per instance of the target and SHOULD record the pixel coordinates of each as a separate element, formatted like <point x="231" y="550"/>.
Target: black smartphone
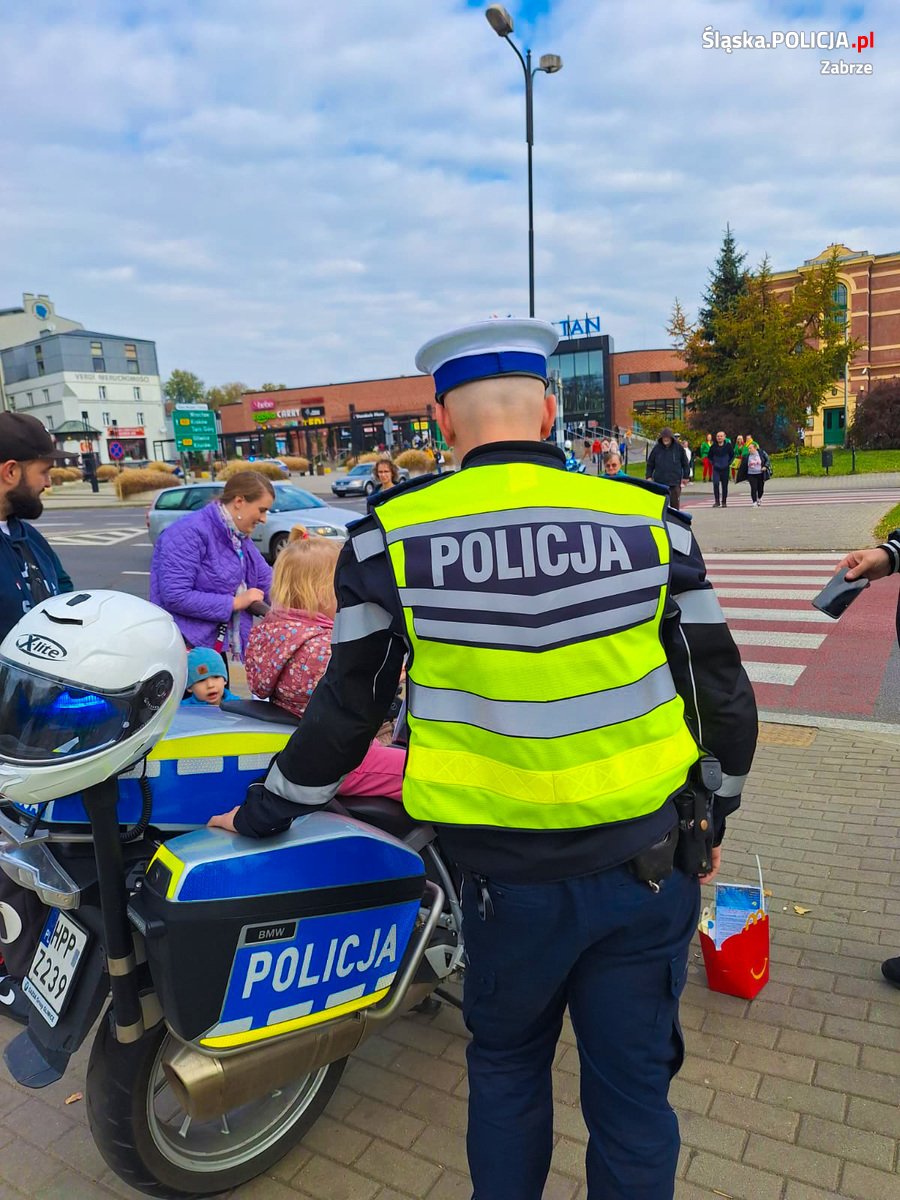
<point x="838" y="594"/>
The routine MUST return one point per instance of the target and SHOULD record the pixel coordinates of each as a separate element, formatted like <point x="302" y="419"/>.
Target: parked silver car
<point x="292" y="507"/>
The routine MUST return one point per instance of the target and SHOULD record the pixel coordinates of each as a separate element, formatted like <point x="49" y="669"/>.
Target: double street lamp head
<point x="502" y="24"/>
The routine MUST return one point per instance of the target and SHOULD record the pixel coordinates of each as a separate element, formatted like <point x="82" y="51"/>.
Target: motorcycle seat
<point x="260" y="710"/>
<point x="381" y="811"/>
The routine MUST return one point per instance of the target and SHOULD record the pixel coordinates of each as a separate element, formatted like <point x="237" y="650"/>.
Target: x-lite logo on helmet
<point x="35" y="645"/>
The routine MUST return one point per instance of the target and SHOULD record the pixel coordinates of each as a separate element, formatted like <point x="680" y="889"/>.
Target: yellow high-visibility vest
<point x="538" y="695"/>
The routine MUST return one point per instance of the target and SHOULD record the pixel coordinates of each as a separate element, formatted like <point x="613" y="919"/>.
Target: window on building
<point x="839" y="303"/>
<point x="45" y="392"/>
<point x="29" y="398"/>
<point x="49" y="421"/>
<point x="99" y="364"/>
<point x="39" y="359"/>
<point x="671" y="409"/>
<point x="102" y="390"/>
<point x="115" y="423"/>
<point x="84" y="417"/>
<point x="131" y="358"/>
<point x="649" y="377"/>
<point x="137" y="393"/>
<point x="104" y="420"/>
<point x="139" y="417"/>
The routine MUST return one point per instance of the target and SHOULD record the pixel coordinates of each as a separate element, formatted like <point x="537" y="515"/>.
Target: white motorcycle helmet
<point x="567" y="445"/>
<point x="88" y="684"/>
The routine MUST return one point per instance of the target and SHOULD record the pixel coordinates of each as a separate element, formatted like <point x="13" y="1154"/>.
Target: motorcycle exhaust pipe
<point x="208" y="1085"/>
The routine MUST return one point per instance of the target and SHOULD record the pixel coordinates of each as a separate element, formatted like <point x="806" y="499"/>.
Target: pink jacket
<point x="287" y="654"/>
<point x="286" y="657"/>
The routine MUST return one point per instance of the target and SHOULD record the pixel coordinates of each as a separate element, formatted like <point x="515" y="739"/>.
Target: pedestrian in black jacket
<point x="721" y="455"/>
<point x="29" y="573"/>
<point x="668" y="465"/>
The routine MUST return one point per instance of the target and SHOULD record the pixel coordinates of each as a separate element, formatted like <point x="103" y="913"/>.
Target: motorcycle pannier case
<point x="251" y="939"/>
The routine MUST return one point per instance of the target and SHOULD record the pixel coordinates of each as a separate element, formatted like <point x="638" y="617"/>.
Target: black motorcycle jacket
<point x="368" y="651"/>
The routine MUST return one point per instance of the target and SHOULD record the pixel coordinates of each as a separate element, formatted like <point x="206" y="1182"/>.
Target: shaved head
<point x="501" y="408"/>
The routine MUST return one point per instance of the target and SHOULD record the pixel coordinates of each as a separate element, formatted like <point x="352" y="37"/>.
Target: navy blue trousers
<point x="614" y="952"/>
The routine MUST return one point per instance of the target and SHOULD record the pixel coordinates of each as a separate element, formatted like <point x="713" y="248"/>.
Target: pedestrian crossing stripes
<point x="775" y="498"/>
<point x="93" y="537"/>
<point x="771" y="621"/>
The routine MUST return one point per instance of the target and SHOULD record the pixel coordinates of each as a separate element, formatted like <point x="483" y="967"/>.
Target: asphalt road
<point x="110" y="548"/>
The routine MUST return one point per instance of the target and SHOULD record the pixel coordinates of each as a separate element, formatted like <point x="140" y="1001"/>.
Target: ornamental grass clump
<point x="129" y="483"/>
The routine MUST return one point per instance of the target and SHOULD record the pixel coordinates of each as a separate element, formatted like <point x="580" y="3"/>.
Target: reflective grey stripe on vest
<point x="700" y="607"/>
<point x="276" y="782"/>
<point x="547" y="635"/>
<point x="507" y="602"/>
<point x="545" y="719"/>
<point x="519" y="516"/>
<point x="732" y="785"/>
<point x="679" y="537"/>
<point x="368" y="544"/>
<point x="358" y="621"/>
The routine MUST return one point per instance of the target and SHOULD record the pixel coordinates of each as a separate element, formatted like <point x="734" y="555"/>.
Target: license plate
<point x="48" y="983"/>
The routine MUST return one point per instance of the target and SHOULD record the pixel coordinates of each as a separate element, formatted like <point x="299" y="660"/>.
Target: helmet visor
<point x="44" y="720"/>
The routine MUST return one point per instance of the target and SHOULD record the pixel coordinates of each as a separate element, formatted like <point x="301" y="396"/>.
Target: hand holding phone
<point x="838" y="594"/>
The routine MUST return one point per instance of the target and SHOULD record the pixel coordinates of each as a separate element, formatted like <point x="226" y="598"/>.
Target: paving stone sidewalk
<point x="793" y="1096"/>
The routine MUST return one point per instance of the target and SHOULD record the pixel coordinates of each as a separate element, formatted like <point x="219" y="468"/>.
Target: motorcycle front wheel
<point x="153" y="1145"/>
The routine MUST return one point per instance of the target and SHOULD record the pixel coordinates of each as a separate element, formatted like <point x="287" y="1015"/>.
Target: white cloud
<point x="276" y="192"/>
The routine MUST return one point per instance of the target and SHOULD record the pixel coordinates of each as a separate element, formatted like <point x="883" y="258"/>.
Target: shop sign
<point x="262" y="405"/>
<point x="371" y="416"/>
<point x="116" y="431"/>
<point x="580" y="327"/>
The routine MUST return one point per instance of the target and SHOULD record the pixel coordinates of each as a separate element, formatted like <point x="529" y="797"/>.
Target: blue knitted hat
<point x="204" y="663"/>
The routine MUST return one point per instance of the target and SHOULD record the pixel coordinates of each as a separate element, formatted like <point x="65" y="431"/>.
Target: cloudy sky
<point x="303" y="192"/>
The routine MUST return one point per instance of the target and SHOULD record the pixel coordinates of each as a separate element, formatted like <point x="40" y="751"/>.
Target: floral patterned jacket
<point x="287" y="655"/>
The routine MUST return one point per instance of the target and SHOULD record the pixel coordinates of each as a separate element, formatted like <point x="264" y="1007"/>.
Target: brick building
<point x="647" y="381"/>
<point x="334" y="416"/>
<point x="869" y="292"/>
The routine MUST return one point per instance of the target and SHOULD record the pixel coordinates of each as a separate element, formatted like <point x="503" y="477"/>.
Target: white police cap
<point x="497" y="347"/>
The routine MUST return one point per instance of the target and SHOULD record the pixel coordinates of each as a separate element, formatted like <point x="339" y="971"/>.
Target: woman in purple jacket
<point x="206" y="571"/>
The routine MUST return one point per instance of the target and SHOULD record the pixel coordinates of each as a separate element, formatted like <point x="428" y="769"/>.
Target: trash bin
<point x="827" y="459"/>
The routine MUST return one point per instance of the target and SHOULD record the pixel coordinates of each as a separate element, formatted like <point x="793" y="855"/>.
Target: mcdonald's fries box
<point x="734" y="940"/>
<point x="247" y="939"/>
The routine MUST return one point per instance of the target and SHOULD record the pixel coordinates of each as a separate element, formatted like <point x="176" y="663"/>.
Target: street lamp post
<point x="502" y="24"/>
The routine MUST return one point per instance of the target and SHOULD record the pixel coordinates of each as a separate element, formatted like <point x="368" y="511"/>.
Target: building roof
<point x="72" y="427"/>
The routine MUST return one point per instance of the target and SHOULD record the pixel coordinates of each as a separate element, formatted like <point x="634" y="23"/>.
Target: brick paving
<point x="793" y="1096"/>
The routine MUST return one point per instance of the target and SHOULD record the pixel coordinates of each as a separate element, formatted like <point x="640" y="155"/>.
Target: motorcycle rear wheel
<point x="152" y="1144"/>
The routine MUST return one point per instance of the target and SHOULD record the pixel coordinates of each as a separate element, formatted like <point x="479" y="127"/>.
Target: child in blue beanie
<point x="206" y="678"/>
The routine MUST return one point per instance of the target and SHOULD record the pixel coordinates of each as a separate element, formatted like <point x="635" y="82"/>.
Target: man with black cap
<point x="566" y="658"/>
<point x="29" y="572"/>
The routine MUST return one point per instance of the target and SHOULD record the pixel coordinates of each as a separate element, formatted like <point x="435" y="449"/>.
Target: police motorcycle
<point x="236" y="975"/>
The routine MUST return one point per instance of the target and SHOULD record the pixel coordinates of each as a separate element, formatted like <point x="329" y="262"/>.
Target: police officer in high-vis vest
<point x="568" y="664"/>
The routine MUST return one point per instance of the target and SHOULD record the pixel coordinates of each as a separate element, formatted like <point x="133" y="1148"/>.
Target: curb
<point x="838" y="724"/>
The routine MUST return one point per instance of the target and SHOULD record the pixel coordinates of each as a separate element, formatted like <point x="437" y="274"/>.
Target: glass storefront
<point x="582" y="367"/>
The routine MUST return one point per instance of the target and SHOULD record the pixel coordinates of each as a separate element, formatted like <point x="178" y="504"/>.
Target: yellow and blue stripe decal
<point x="319" y="969"/>
<point x="191" y="777"/>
